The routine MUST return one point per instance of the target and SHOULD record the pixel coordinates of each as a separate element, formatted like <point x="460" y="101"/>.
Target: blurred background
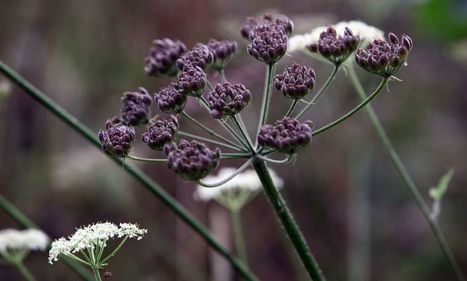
<point x="353" y="208"/>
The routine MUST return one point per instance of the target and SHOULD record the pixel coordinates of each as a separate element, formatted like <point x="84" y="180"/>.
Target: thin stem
<point x="355" y="110"/>
<point x="24" y="270"/>
<point x="227" y="179"/>
<point x="87" y="263"/>
<point x="406" y="178"/>
<point x="236" y="148"/>
<point x="320" y="92"/>
<point x="222" y="73"/>
<point x="291" y="108"/>
<point x="235" y="155"/>
<point x="97" y="274"/>
<point x="281" y="161"/>
<point x="266" y="96"/>
<point x="238" y="235"/>
<point x="137" y="158"/>
<point x="209" y="85"/>
<point x="243" y="132"/>
<point x="115" y="250"/>
<point x="147" y="182"/>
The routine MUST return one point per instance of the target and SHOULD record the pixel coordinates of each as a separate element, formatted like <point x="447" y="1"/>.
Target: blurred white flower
<point x="366" y="32"/>
<point x="22" y="240"/>
<point x="235" y="193"/>
<point x="93" y="237"/>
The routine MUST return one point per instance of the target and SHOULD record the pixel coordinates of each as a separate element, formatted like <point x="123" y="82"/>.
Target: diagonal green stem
<point x="97" y="274"/>
<point x="355" y="110"/>
<point x="266" y="96"/>
<point x="406" y="178"/>
<point x="143" y="159"/>
<point x="209" y="140"/>
<point x="120" y="245"/>
<point x="288" y="222"/>
<point x="291" y="108"/>
<point x="243" y="132"/>
<point x="140" y="176"/>
<point x="24" y="271"/>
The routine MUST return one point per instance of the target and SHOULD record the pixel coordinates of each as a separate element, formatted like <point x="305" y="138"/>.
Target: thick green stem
<point x="406" y="178"/>
<point x="380" y="88"/>
<point x="266" y="96"/>
<point x="136" y="173"/>
<point x="97" y="274"/>
<point x="24" y="271"/>
<point x="238" y="234"/>
<point x="288" y="222"/>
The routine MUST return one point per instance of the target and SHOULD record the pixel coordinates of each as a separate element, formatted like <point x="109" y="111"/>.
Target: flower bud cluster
<point x="162" y="57"/>
<point x="191" y="81"/>
<point x="296" y="81"/>
<point x="280" y="20"/>
<point x="385" y="58"/>
<point x="268" y="43"/>
<point x="135" y="107"/>
<point x="170" y="99"/>
<point x="117" y="138"/>
<point x="161" y="132"/>
<point x="200" y="56"/>
<point x="228" y="99"/>
<point x="223" y="52"/>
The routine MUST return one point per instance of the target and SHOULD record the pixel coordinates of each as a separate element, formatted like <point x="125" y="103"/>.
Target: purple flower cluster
<point x="192" y="81"/>
<point x="228" y="99"/>
<point x="170" y="100"/>
<point x="135" y="107"/>
<point x="385" y="57"/>
<point x="336" y="48"/>
<point x="200" y="56"/>
<point x="161" y="132"/>
<point x="296" y="81"/>
<point x="286" y="135"/>
<point x="192" y="160"/>
<point x="268" y="43"/>
<point x="117" y="138"/>
<point x="282" y="21"/>
<point x="162" y="57"/>
<point x="223" y="52"/>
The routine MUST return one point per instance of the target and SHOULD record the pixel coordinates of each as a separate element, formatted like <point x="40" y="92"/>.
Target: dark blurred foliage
<point x="353" y="208"/>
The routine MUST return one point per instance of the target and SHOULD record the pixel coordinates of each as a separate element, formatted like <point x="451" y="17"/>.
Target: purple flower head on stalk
<point x="192" y="81"/>
<point x="163" y="56"/>
<point x="228" y="99"/>
<point x="192" y="160"/>
<point x="116" y="139"/>
<point x="135" y="107"/>
<point x="268" y="43"/>
<point x="385" y="58"/>
<point x="283" y="21"/>
<point x="170" y="100"/>
<point x="223" y="52"/>
<point x="286" y="135"/>
<point x="335" y="48"/>
<point x="296" y="81"/>
<point x="161" y="132"/>
<point x="200" y="56"/>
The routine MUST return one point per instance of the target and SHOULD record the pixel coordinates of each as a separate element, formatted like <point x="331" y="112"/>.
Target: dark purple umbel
<point x="268" y="43"/>
<point x="191" y="81"/>
<point x="385" y="58"/>
<point x="223" y="52"/>
<point x="135" y="107"/>
<point x="192" y="160"/>
<point x="296" y="81"/>
<point x="163" y="56"/>
<point x="200" y="56"/>
<point x="283" y="21"/>
<point x="286" y="135"/>
<point x="161" y="132"/>
<point x="116" y="139"/>
<point x="170" y="100"/>
<point x="335" y="48"/>
<point x="228" y="99"/>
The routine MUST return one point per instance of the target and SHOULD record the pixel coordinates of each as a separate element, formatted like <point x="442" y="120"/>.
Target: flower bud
<point x="162" y="57"/>
<point x="116" y="139"/>
<point x="135" y="107"/>
<point x="296" y="81"/>
<point x="282" y="21"/>
<point x="170" y="100"/>
<point x="223" y="52"/>
<point x="161" y="132"/>
<point x="268" y="43"/>
<point x="228" y="99"/>
<point x="191" y="81"/>
<point x="200" y="56"/>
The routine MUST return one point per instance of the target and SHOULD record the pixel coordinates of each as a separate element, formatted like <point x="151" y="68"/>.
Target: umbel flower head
<point x="228" y="99"/>
<point x="385" y="58"/>
<point x="161" y="132"/>
<point x="93" y="239"/>
<point x="286" y="135"/>
<point x="170" y="100"/>
<point x="223" y="52"/>
<point x="237" y="192"/>
<point x="192" y="81"/>
<point x="200" y="56"/>
<point x="13" y="241"/>
<point x="283" y="21"/>
<point x="192" y="160"/>
<point x="268" y="43"/>
<point x="334" y="47"/>
<point x="162" y="57"/>
<point x="117" y="138"/>
<point x="296" y="81"/>
<point x="135" y="107"/>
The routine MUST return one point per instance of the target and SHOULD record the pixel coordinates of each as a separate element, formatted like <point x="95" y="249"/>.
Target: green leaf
<point x="437" y="192"/>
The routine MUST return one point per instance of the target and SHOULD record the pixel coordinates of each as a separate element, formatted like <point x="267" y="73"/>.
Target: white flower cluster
<point x="235" y="192"/>
<point x="92" y="236"/>
<point x="17" y="240"/>
<point x="366" y="32"/>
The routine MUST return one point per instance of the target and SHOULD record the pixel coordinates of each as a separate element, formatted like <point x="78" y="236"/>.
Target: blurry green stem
<point x="288" y="222"/>
<point x="406" y="178"/>
<point x="97" y="275"/>
<point x="24" y="270"/>
<point x="137" y="158"/>
<point x="147" y="182"/>
<point x="238" y="234"/>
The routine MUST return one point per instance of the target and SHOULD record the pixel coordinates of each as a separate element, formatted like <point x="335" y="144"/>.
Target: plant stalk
<point x="24" y="271"/>
<point x="266" y="96"/>
<point x="238" y="234"/>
